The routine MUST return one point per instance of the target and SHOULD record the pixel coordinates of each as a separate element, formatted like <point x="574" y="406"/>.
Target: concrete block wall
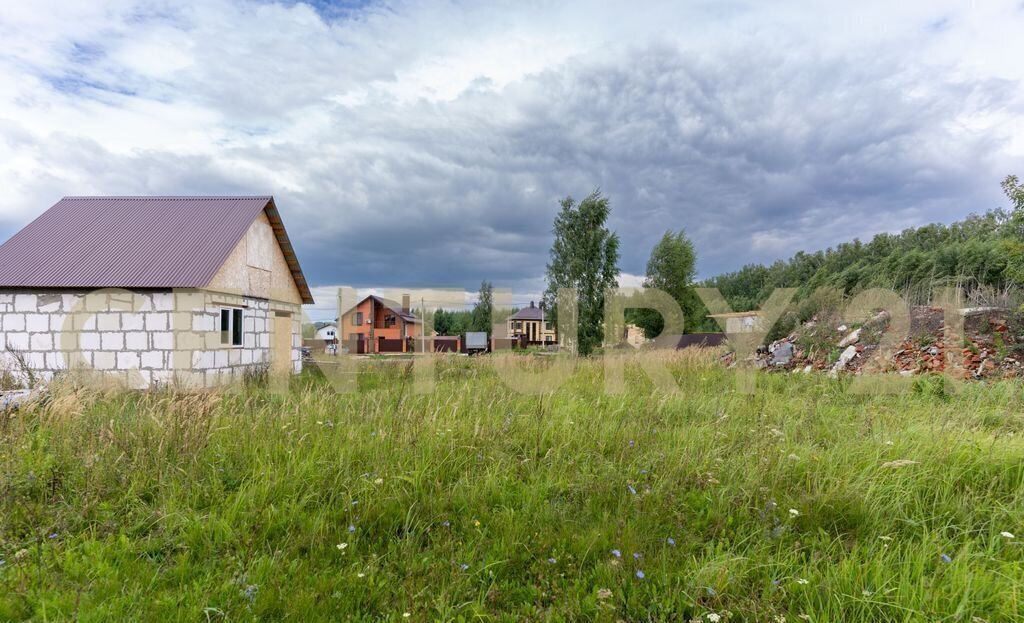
<point x="139" y="338"/>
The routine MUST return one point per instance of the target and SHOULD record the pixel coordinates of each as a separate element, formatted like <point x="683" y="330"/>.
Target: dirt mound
<point x="989" y="342"/>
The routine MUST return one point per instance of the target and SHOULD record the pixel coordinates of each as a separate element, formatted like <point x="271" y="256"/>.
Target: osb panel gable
<point x="259" y="282"/>
<point x="260" y="244"/>
<point x="243" y="272"/>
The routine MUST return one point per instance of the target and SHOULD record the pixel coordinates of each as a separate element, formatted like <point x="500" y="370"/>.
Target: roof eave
<point x="289" y="252"/>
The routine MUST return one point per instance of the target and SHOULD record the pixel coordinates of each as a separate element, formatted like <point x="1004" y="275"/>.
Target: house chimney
<point x="531" y="305"/>
<point x="405" y="303"/>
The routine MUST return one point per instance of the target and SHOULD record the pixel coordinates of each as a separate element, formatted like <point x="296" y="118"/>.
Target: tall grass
<point x="475" y="502"/>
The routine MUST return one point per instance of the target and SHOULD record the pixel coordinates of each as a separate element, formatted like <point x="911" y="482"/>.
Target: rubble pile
<point x="986" y="347"/>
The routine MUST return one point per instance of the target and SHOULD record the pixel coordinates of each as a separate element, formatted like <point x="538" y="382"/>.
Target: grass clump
<point x="475" y="502"/>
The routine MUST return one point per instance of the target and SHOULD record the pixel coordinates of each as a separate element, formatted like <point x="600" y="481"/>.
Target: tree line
<point x="985" y="250"/>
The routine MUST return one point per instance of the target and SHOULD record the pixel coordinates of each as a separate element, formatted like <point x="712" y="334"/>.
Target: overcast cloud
<point x="427" y="144"/>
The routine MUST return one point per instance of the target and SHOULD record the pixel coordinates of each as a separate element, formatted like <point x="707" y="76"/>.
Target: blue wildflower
<point x="637" y="555"/>
<point x="463" y="567"/>
<point x="640" y="574"/>
<point x="671" y="541"/>
<point x="552" y="561"/>
<point x="53" y="536"/>
<point x="250" y="592"/>
<point x="946" y="559"/>
<point x="616" y="553"/>
<point x="446" y="523"/>
<point x="351" y="528"/>
<point x="631" y="489"/>
<point x="711" y="591"/>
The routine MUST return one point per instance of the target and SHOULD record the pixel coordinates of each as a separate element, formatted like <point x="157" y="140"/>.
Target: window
<point x="389" y="320"/>
<point x="357" y="319"/>
<point x="231" y="327"/>
<point x="547" y="325"/>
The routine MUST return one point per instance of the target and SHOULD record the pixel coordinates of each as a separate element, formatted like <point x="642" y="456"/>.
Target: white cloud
<point x="416" y="143"/>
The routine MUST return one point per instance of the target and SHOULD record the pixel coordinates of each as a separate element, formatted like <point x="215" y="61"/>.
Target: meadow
<point x="803" y="501"/>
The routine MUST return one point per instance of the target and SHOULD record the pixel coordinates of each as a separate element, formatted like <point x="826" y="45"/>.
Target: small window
<point x="231" y="327"/>
<point x="357" y="319"/>
<point x="389" y="320"/>
<point x="547" y="325"/>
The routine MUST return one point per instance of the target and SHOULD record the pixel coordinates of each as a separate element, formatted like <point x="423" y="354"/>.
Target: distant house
<point x="740" y="322"/>
<point x="376" y="325"/>
<point x="191" y="290"/>
<point x="534" y="324"/>
<point x="327" y="332"/>
<point x="635" y="336"/>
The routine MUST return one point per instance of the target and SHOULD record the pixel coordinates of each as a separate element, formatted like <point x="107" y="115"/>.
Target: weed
<point x="476" y="502"/>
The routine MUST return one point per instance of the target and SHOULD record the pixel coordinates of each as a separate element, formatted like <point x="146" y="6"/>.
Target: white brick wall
<point x="25" y="303"/>
<point x="14" y="322"/>
<point x="134" y="335"/>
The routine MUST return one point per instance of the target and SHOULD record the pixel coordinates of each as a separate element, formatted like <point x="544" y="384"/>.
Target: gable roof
<point x="137" y="242"/>
<point x="406" y="316"/>
<point x="528" y="313"/>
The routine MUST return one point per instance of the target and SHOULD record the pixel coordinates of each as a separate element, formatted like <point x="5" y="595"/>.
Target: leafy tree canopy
<point x="584" y="256"/>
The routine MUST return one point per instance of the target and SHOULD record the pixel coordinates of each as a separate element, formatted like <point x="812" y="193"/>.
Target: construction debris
<point x="12" y="399"/>
<point x="985" y="346"/>
<point x="844" y="359"/>
<point x="853" y="338"/>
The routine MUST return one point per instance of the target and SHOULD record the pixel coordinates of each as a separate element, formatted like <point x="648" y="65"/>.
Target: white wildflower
<point x="794" y="512"/>
<point x="1007" y="535"/>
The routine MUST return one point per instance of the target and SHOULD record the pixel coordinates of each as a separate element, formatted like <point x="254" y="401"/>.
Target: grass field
<point x="802" y="501"/>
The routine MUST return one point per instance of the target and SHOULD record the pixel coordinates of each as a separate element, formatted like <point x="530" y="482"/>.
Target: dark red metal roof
<point x="407" y="316"/>
<point x="688" y="340"/>
<point x="136" y="242"/>
<point x="529" y="313"/>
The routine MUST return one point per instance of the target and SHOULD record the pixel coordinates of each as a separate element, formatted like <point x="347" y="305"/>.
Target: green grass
<point x="475" y="502"/>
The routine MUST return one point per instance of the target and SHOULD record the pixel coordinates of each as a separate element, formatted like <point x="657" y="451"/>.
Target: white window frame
<point x="227" y="333"/>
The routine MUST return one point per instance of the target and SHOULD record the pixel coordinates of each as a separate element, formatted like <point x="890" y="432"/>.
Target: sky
<point x="427" y="144"/>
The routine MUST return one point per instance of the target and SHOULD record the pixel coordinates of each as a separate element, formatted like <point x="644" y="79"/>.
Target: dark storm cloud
<point x="417" y="144"/>
<point x="756" y="155"/>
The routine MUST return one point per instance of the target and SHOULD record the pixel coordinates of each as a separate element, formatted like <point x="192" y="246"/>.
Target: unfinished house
<point x="152" y="290"/>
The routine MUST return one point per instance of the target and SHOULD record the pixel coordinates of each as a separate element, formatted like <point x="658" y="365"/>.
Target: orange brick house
<point x="375" y="325"/>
